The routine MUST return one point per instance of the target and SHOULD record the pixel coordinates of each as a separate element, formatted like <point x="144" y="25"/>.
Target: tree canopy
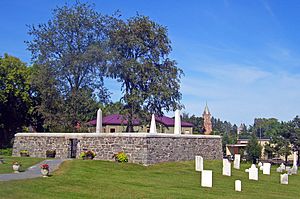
<point x="69" y="53"/>
<point x="150" y="80"/>
<point x="16" y="102"/>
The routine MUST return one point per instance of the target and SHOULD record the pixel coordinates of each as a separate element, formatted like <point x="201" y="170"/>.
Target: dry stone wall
<point x="142" y="148"/>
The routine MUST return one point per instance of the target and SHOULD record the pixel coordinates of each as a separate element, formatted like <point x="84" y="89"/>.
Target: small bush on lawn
<point x="120" y="157"/>
<point x="87" y="154"/>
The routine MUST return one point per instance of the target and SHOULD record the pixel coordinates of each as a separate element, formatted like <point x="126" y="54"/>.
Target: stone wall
<point x="143" y="148"/>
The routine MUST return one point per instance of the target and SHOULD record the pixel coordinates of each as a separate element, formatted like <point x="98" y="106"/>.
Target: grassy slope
<point x="26" y="162"/>
<point x="100" y="179"/>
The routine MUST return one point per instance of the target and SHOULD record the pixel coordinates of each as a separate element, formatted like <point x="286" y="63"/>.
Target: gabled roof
<point x="117" y="119"/>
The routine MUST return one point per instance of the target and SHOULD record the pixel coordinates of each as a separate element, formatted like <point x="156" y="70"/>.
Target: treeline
<point x="72" y="54"/>
<point x="284" y="136"/>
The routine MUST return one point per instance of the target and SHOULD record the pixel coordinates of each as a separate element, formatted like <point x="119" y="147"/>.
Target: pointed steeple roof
<point x="206" y="110"/>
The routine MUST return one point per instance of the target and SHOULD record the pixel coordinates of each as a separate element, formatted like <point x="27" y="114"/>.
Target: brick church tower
<point x="207" y="121"/>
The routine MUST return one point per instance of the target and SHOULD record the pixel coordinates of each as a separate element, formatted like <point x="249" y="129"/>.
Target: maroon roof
<point x="117" y="119"/>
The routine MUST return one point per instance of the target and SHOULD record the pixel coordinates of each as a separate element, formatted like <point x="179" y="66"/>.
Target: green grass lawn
<point x="26" y="162"/>
<point x="101" y="179"/>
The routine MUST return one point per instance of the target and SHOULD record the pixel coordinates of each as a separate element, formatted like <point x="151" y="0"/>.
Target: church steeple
<point x="207" y="121"/>
<point x="206" y="110"/>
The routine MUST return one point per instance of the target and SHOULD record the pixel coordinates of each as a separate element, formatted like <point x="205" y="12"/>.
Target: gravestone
<point x="238" y="185"/>
<point x="247" y="170"/>
<point x="1" y="160"/>
<point x="267" y="168"/>
<point x="199" y="163"/>
<point x="287" y="168"/>
<point x="259" y="164"/>
<point x="226" y="167"/>
<point x="261" y="168"/>
<point x="237" y="161"/>
<point x="294" y="170"/>
<point x="206" y="178"/>
<point x="295" y="159"/>
<point x="284" y="178"/>
<point x="280" y="170"/>
<point x="282" y="166"/>
<point x="253" y="172"/>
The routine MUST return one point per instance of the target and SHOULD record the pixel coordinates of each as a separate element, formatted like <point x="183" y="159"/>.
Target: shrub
<point x="120" y="157"/>
<point x="87" y="154"/>
<point x="50" y="153"/>
<point x="6" y="152"/>
<point x="24" y="153"/>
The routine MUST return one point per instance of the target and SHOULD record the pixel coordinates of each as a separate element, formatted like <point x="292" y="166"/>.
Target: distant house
<point x="241" y="144"/>
<point x="116" y="123"/>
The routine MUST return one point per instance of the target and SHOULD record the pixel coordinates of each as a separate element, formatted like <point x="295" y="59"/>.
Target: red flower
<point x="44" y="166"/>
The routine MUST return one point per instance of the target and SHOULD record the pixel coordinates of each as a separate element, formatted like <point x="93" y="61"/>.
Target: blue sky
<point x="242" y="57"/>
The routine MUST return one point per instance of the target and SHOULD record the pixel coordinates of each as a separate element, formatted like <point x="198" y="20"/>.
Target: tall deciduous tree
<point x="15" y="97"/>
<point x="69" y="52"/>
<point x="150" y="80"/>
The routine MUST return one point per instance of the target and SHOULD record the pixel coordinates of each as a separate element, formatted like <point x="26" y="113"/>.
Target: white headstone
<point x="282" y="166"/>
<point x="279" y="170"/>
<point x="206" y="178"/>
<point x="99" y="121"/>
<point x="289" y="171"/>
<point x="199" y="163"/>
<point x="294" y="170"/>
<point x="237" y="161"/>
<point x="267" y="168"/>
<point x="259" y="164"/>
<point x="295" y="159"/>
<point x="177" y="127"/>
<point x="287" y="168"/>
<point x="247" y="170"/>
<point x="238" y="185"/>
<point x="153" y="125"/>
<point x="284" y="178"/>
<point x="226" y="167"/>
<point x="261" y="168"/>
<point x="253" y="173"/>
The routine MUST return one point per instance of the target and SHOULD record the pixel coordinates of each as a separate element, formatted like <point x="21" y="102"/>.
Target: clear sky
<point x="242" y="57"/>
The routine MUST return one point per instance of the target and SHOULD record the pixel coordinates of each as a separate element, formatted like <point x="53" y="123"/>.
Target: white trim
<point x="80" y="135"/>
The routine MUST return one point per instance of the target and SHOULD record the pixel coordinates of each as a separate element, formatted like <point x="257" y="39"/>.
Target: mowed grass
<point x="101" y="179"/>
<point x="26" y="162"/>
